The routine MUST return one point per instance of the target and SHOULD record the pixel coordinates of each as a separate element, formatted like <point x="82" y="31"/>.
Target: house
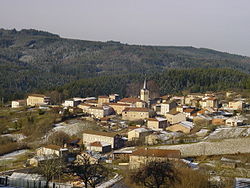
<point x="85" y="107"/>
<point x="114" y="139"/>
<point x="100" y="112"/>
<point x="71" y="102"/>
<point x="175" y="117"/>
<point x="230" y="94"/>
<point x="133" y="102"/>
<point x="38" y="160"/>
<point x="212" y="102"/>
<point x="179" y="99"/>
<point x="142" y="156"/>
<point x="157" y="123"/>
<point x="189" y="112"/>
<point x="236" y="105"/>
<point x="190" y="97"/>
<point x="118" y="107"/>
<point x="133" y="114"/>
<point x="114" y="97"/>
<point x="138" y="134"/>
<point x="18" y="103"/>
<point x="51" y="150"/>
<point x="102" y="100"/>
<point x="98" y="146"/>
<point x="184" y="126"/>
<point x="37" y="99"/>
<point x="179" y="108"/>
<point x="167" y="107"/>
<point x="234" y="121"/>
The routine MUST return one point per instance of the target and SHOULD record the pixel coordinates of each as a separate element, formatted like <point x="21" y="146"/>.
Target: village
<point x="203" y="130"/>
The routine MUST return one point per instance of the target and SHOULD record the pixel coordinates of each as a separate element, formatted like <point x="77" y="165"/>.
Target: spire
<point x="145" y="84"/>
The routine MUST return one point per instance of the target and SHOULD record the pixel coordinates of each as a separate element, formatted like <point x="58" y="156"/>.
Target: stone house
<point x="18" y="103"/>
<point x="175" y="117"/>
<point x="234" y="121"/>
<point x="114" y="97"/>
<point x="84" y="106"/>
<point x="100" y="112"/>
<point x="167" y="107"/>
<point x="118" y="107"/>
<point x="236" y="105"/>
<point x="133" y="114"/>
<point x="37" y="99"/>
<point x="71" y="102"/>
<point x="139" y="133"/>
<point x="157" y="123"/>
<point x="133" y="102"/>
<point x="142" y="156"/>
<point x="114" y="139"/>
<point x="98" y="146"/>
<point x="102" y="100"/>
<point x="189" y="112"/>
<point x="51" y="150"/>
<point x="184" y="126"/>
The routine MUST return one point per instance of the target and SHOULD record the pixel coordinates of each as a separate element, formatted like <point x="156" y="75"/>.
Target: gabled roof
<point x="157" y="153"/>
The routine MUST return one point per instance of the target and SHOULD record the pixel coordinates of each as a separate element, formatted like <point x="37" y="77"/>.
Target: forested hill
<point x="31" y="60"/>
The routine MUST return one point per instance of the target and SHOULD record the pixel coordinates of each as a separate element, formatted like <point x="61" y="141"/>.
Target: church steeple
<point x="145" y="84"/>
<point x="144" y="95"/>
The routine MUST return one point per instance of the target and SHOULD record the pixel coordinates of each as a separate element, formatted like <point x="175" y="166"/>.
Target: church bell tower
<point x="144" y="92"/>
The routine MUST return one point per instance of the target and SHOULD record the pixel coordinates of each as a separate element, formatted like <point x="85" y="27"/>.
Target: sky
<point x="222" y="25"/>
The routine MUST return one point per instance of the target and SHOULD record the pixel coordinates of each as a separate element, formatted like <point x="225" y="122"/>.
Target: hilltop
<point x="32" y="60"/>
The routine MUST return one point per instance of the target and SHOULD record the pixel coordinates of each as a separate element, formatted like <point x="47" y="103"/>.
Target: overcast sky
<point x="218" y="24"/>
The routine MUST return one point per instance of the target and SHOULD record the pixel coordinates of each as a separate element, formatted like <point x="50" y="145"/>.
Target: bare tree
<point x="91" y="174"/>
<point x="50" y="168"/>
<point x="155" y="175"/>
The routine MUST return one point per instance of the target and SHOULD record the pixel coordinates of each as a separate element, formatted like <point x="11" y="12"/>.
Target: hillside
<point x="33" y="60"/>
